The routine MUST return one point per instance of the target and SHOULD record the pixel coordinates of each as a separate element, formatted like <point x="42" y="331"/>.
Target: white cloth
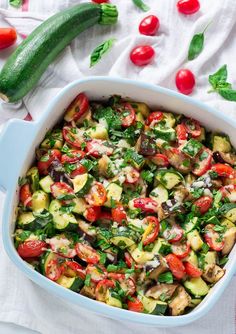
<point x="24" y="303"/>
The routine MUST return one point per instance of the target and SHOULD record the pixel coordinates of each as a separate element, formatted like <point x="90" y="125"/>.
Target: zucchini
<point x="53" y="140"/>
<point x="191" y="148"/>
<point x="82" y="184"/>
<point x="221" y="143"/>
<point x="140" y="118"/>
<point x="33" y="175"/>
<point x="113" y="194"/>
<point x="192" y="258"/>
<point x="80" y="206"/>
<point x="210" y="258"/>
<point x="72" y="283"/>
<point x="169" y="119"/>
<point x="40" y="200"/>
<point x="141" y="257"/>
<point x="122" y="241"/>
<point x="62" y="221"/>
<point x="135" y="159"/>
<point x="226" y="222"/>
<point x="98" y="132"/>
<point x="153" y="306"/>
<point x="45" y="259"/>
<point x="27" y="221"/>
<point x="45" y="183"/>
<point x="26" y="65"/>
<point x="191" y="225"/>
<point x="141" y="108"/>
<point x="112" y="300"/>
<point x="164" y="133"/>
<point x="159" y="194"/>
<point x="169" y="178"/>
<point x="195" y="240"/>
<point x="196" y="286"/>
<point x="229" y="211"/>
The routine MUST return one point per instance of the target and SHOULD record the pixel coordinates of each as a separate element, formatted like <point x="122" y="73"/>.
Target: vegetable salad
<point x="130" y="206"/>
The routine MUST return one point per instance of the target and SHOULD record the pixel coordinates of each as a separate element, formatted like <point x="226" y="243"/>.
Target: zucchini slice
<point x="122" y="241"/>
<point x="229" y="211"/>
<point x="62" y="221"/>
<point x="153" y="306"/>
<point x="72" y="283"/>
<point x="112" y="300"/>
<point x="82" y="184"/>
<point x="195" y="240"/>
<point x="27" y="221"/>
<point x="45" y="183"/>
<point x="196" y="286"/>
<point x="221" y="143"/>
<point x="159" y="194"/>
<point x="33" y="175"/>
<point x="45" y="259"/>
<point x="164" y="133"/>
<point x="191" y="148"/>
<point x="98" y="132"/>
<point x="113" y="194"/>
<point x="168" y="178"/>
<point x="80" y="206"/>
<point x="40" y="201"/>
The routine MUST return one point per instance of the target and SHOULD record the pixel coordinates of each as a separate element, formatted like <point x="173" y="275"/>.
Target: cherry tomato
<point x="61" y="190"/>
<point x="185" y="81"/>
<point x="80" y="169"/>
<point x="192" y="127"/>
<point x="201" y="165"/>
<point x="188" y="7"/>
<point x="31" y="248"/>
<point x="97" y="195"/>
<point x="151" y="232"/>
<point x="174" y="234"/>
<point x="116" y="276"/>
<point x="154" y="118"/>
<point x="78" y="107"/>
<point x="7" y="37"/>
<point x="213" y="238"/>
<point x="203" y="204"/>
<point x="87" y="253"/>
<point x="101" y="289"/>
<point x="46" y="160"/>
<point x="229" y="191"/>
<point x="72" y="156"/>
<point x="62" y="246"/>
<point x="191" y="270"/>
<point x="147" y="205"/>
<point x="26" y="195"/>
<point x="149" y="25"/>
<point x="54" y="270"/>
<point x="119" y="214"/>
<point x="129" y="260"/>
<point x="96" y="148"/>
<point x="127" y="115"/>
<point x="176" y="266"/>
<point x="98" y="273"/>
<point x="77" y="268"/>
<point x="135" y="305"/>
<point x="224" y="170"/>
<point x="160" y="159"/>
<point x="181" y="132"/>
<point x="100" y="1"/>
<point x="181" y="249"/>
<point x="72" y="136"/>
<point x="142" y="55"/>
<point x="92" y="214"/>
<point x="132" y="175"/>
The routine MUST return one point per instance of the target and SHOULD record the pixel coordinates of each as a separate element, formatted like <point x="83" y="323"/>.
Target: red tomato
<point x="46" y="160"/>
<point x="229" y="191"/>
<point x="31" y="248"/>
<point x="147" y="205"/>
<point x="151" y="232"/>
<point x="185" y="81"/>
<point x="119" y="214"/>
<point x="176" y="266"/>
<point x="129" y="260"/>
<point x="188" y="7"/>
<point x="97" y="195"/>
<point x="127" y="115"/>
<point x="62" y="246"/>
<point x="135" y="305"/>
<point x="154" y="117"/>
<point x="105" y="218"/>
<point x="173" y="234"/>
<point x="202" y="165"/>
<point x="224" y="170"/>
<point x="54" y="270"/>
<point x="160" y="159"/>
<point x="80" y="169"/>
<point x="77" y="268"/>
<point x="132" y="175"/>
<point x="192" y="127"/>
<point x="203" y="204"/>
<point x="96" y="148"/>
<point x="72" y="156"/>
<point x="25" y="195"/>
<point x="181" y="249"/>
<point x="98" y="273"/>
<point x="116" y="276"/>
<point x="149" y="25"/>
<point x="142" y="55"/>
<point x="92" y="214"/>
<point x="7" y="37"/>
<point x="181" y="132"/>
<point x="213" y="238"/>
<point x="87" y="253"/>
<point x="191" y="270"/>
<point x="100" y="1"/>
<point x="62" y="190"/>
<point x="101" y="289"/>
<point x="72" y="136"/>
<point x="80" y="105"/>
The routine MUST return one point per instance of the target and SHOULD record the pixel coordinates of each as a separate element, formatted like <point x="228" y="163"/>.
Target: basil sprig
<point x="100" y="50"/>
<point x="140" y="4"/>
<point x="197" y="44"/>
<point x="15" y="3"/>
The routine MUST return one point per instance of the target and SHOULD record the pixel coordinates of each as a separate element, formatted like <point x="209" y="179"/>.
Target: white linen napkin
<point x="24" y="303"/>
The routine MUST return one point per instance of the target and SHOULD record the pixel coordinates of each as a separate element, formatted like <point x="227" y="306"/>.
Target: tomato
<point x="77" y="268"/>
<point x="100" y="1"/>
<point x="201" y="165"/>
<point x="154" y="117"/>
<point x="62" y="190"/>
<point x="142" y="55"/>
<point x="105" y="218"/>
<point x="98" y="273"/>
<point x="180" y="249"/>
<point x="87" y="253"/>
<point x="151" y="232"/>
<point x="96" y="148"/>
<point x="54" y="270"/>
<point x="46" y="160"/>
<point x="129" y="260"/>
<point x="7" y="37"/>
<point x="97" y="195"/>
<point x="119" y="214"/>
<point x="188" y="7"/>
<point x="181" y="132"/>
<point x="213" y="238"/>
<point x="174" y="234"/>
<point x="101" y="289"/>
<point x="72" y="156"/>
<point x="80" y="169"/>
<point x="135" y="305"/>
<point x="224" y="170"/>
<point x="62" y="246"/>
<point x="92" y="214"/>
<point x="176" y="266"/>
<point x="160" y="159"/>
<point x="80" y="105"/>
<point x="127" y="115"/>
<point x="31" y="248"/>
<point x="185" y="81"/>
<point x="116" y="276"/>
<point x="72" y="136"/>
<point x="132" y="175"/>
<point x="149" y="25"/>
<point x="229" y="191"/>
<point x="192" y="127"/>
<point x="147" y="205"/>
<point x="191" y="270"/>
<point x="203" y="204"/>
<point x="26" y="195"/>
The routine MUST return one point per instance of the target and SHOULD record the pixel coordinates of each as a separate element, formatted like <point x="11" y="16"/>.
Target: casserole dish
<point x="26" y="136"/>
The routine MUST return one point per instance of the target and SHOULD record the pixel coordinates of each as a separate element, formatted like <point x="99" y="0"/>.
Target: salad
<point x="129" y="206"/>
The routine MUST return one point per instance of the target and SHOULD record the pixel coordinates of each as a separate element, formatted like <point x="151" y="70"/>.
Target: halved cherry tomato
<point x="160" y="159"/>
<point x="180" y="249"/>
<point x="135" y="305"/>
<point x="202" y="165"/>
<point x="72" y="136"/>
<point x="31" y="248"/>
<point x="96" y="148"/>
<point x="118" y="214"/>
<point x="100" y="1"/>
<point x="62" y="246"/>
<point x="101" y="289"/>
<point x="151" y="232"/>
<point x="224" y="170"/>
<point x="80" y="169"/>
<point x="54" y="270"/>
<point x="185" y="81"/>
<point x="142" y="55"/>
<point x="213" y="238"/>
<point x="92" y="214"/>
<point x="130" y="261"/>
<point x="80" y="105"/>
<point x="149" y="25"/>
<point x="62" y="190"/>
<point x="127" y="284"/>
<point x="87" y="253"/>
<point x="188" y="7"/>
<point x="174" y="233"/>
<point x="147" y="205"/>
<point x="176" y="266"/>
<point x="132" y="175"/>
<point x="72" y="156"/>
<point x="97" y="195"/>
<point x="77" y="268"/>
<point x="127" y="115"/>
<point x="154" y="117"/>
<point x="191" y="270"/>
<point x="8" y="37"/>
<point x="26" y="195"/>
<point x="46" y="160"/>
<point x="203" y="204"/>
<point x="97" y="272"/>
<point x="192" y="127"/>
<point x="229" y="191"/>
<point x="181" y="132"/>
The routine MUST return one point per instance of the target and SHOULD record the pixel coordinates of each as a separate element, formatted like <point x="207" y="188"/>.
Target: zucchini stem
<point x="109" y="14"/>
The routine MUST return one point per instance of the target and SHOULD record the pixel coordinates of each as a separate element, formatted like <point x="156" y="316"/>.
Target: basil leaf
<point x="196" y="46"/>
<point x="219" y="77"/>
<point x="100" y="51"/>
<point x="140" y="4"/>
<point x="15" y="3"/>
<point x="228" y="94"/>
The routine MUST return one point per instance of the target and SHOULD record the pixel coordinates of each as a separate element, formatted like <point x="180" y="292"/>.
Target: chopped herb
<point x="130" y="298"/>
<point x="220" y="228"/>
<point x="100" y="50"/>
<point x="69" y="167"/>
<point x="112" y="203"/>
<point x="147" y="176"/>
<point x="203" y="155"/>
<point x="140" y="4"/>
<point x="205" y="248"/>
<point x="165" y="249"/>
<point x="67" y="208"/>
<point x="197" y="192"/>
<point x="87" y="280"/>
<point x="140" y="246"/>
<point x="163" y="297"/>
<point x="22" y="181"/>
<point x="166" y="278"/>
<point x="83" y="146"/>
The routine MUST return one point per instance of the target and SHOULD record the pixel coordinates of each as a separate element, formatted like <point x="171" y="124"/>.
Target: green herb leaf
<point x="166" y="278"/>
<point x="223" y="261"/>
<point x="196" y="46"/>
<point x="22" y="181"/>
<point x="218" y="77"/>
<point x="100" y="51"/>
<point x="15" y="3"/>
<point x="140" y="4"/>
<point x="87" y="280"/>
<point x="147" y="175"/>
<point x="228" y="94"/>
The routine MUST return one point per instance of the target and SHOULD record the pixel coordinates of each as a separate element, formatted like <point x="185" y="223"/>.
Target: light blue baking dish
<point x="17" y="146"/>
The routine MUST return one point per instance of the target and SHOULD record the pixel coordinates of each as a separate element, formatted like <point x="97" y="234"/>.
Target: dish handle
<point x="14" y="139"/>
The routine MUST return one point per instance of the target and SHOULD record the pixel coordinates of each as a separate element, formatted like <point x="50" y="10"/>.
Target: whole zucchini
<point x="26" y="65"/>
